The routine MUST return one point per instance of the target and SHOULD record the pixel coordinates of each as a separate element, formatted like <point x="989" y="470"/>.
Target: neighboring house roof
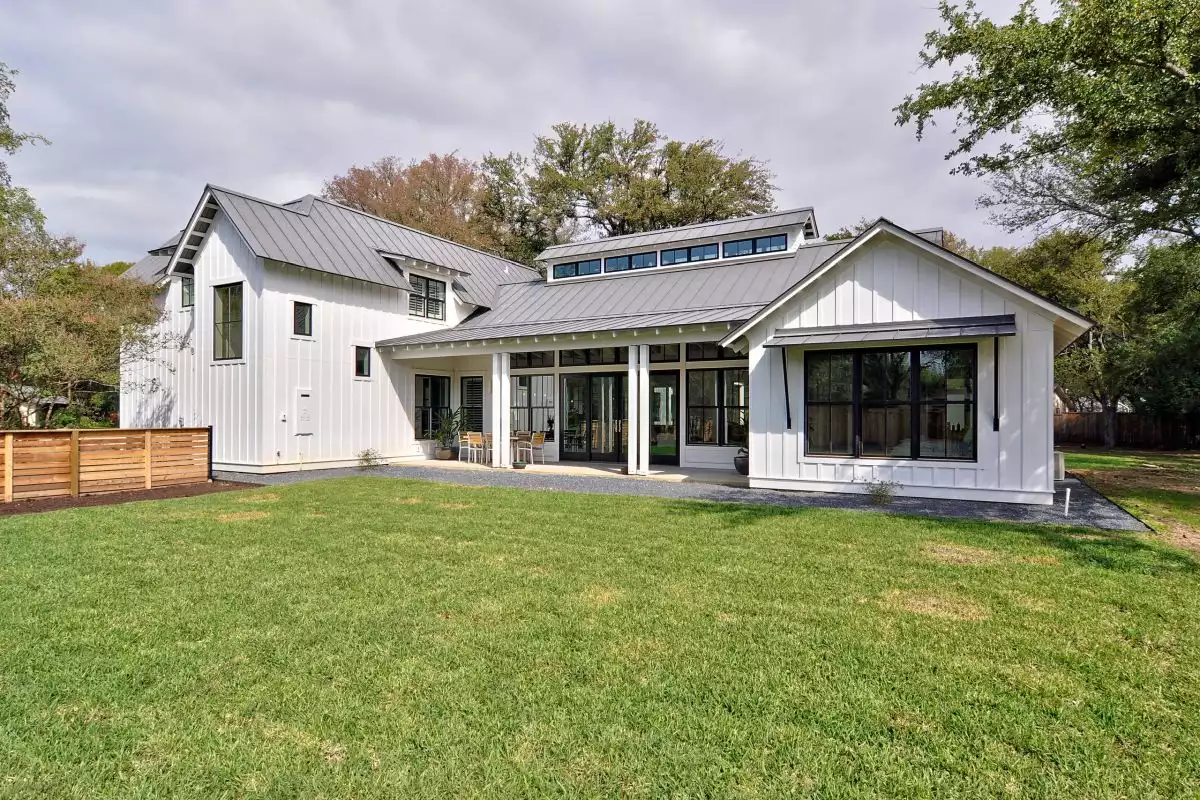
<point x="702" y="230"/>
<point x="697" y="294"/>
<point x="150" y="269"/>
<point x="1069" y="326"/>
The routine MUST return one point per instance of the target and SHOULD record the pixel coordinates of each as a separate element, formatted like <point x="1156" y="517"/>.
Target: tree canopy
<point x="65" y="325"/>
<point x="441" y="194"/>
<point x="587" y="180"/>
<point x="1090" y="117"/>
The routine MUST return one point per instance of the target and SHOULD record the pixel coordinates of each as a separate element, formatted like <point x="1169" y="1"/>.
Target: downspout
<point x="787" y="397"/>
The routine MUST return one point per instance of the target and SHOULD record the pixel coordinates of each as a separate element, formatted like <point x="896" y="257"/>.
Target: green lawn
<point x="372" y="637"/>
<point x="1162" y="489"/>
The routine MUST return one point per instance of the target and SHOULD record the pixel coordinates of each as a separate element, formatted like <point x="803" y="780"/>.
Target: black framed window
<point x="470" y="400"/>
<point x="594" y="356"/>
<point x="362" y="362"/>
<point x="576" y="268"/>
<point x="227" y="322"/>
<point x="711" y="351"/>
<point x="428" y="298"/>
<point x="664" y="353"/>
<point x="532" y="406"/>
<point x="760" y="244"/>
<point x="616" y="264"/>
<point x="302" y="319"/>
<point x="683" y="255"/>
<point x="533" y="360"/>
<point x="909" y="403"/>
<point x="644" y="260"/>
<point x="718" y="406"/>
<point x="433" y="400"/>
<point x="187" y="291"/>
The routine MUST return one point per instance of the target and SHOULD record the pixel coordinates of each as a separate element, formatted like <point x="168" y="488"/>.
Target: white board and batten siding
<point x="183" y="386"/>
<point x="290" y="401"/>
<point x="890" y="281"/>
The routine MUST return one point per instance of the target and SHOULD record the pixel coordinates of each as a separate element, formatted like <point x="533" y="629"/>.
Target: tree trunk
<point x="1110" y="426"/>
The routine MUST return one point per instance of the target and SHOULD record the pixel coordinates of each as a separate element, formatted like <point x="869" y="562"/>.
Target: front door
<point x="594" y="417"/>
<point x="664" y="418"/>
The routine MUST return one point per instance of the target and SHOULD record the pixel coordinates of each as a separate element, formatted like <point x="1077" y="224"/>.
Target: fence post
<point x="149" y="435"/>
<point x="74" y="463"/>
<point x="8" y="467"/>
<point x="210" y="469"/>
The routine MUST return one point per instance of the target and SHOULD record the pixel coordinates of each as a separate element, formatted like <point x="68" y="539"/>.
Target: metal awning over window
<point x="951" y="328"/>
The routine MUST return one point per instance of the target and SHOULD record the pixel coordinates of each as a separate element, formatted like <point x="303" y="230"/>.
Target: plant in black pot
<point x="446" y="433"/>
<point x="741" y="462"/>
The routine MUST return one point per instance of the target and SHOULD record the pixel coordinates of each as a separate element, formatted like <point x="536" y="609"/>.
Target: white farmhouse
<point x="316" y="332"/>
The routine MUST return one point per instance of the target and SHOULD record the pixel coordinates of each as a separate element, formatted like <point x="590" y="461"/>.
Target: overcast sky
<point x="145" y="102"/>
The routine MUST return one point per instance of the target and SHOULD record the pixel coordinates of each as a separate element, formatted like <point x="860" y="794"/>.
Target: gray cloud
<point x="146" y="102"/>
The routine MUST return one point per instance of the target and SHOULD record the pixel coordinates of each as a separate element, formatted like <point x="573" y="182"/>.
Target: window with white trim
<point x="427" y="299"/>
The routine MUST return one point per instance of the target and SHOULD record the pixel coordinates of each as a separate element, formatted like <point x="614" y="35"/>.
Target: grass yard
<point x="1161" y="489"/>
<point x="373" y="637"/>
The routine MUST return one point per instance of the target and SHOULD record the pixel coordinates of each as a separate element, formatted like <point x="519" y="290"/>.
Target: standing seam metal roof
<point x="318" y="234"/>
<point x="721" y="292"/>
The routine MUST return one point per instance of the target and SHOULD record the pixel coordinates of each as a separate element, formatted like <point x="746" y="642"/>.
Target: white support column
<point x="644" y="409"/>
<point x="506" y="455"/>
<point x="496" y="415"/>
<point x="631" y="414"/>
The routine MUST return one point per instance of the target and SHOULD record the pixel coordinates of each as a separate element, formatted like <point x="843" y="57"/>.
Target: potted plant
<point x="741" y="462"/>
<point x="519" y="465"/>
<point x="446" y="433"/>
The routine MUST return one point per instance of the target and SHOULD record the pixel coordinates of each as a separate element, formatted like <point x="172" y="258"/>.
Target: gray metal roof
<point x="702" y="230"/>
<point x="318" y="234"/>
<point x="167" y="247"/>
<point x="149" y="270"/>
<point x="949" y="328"/>
<point x="718" y="292"/>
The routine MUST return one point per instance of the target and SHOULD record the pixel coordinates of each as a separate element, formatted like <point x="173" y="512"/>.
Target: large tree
<point x="64" y="326"/>
<point x="589" y="180"/>
<point x="440" y="194"/>
<point x="1089" y="117"/>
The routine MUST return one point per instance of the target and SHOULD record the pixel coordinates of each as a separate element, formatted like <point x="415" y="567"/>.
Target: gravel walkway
<point x="1088" y="508"/>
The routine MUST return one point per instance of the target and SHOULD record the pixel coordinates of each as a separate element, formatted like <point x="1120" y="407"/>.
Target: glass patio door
<point x="664" y="418"/>
<point x="594" y="417"/>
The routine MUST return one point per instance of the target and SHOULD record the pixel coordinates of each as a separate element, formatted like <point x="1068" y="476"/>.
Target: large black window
<point x="433" y="400"/>
<point x="761" y="244"/>
<point x="718" y="406"/>
<point x="534" y="360"/>
<point x="302" y="319"/>
<point x="227" y="322"/>
<point x="710" y="351"/>
<point x="533" y="404"/>
<point x="594" y="356"/>
<point x="428" y="298"/>
<point x="471" y="402"/>
<point x="895" y="403"/>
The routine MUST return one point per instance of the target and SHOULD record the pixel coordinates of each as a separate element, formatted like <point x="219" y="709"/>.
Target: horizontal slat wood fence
<point x="62" y="463"/>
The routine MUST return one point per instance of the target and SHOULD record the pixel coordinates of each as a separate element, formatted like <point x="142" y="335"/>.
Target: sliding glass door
<point x="594" y="417"/>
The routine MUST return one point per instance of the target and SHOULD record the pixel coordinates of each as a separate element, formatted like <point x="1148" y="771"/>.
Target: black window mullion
<point x="856" y="402"/>
<point x="914" y="401"/>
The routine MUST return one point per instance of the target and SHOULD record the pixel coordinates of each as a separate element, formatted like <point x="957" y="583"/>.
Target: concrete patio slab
<point x="1088" y="509"/>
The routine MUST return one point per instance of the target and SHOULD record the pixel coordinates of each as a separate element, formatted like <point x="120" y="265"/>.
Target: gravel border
<point x="1089" y="509"/>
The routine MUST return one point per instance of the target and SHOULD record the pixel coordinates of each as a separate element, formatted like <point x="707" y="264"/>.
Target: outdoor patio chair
<point x="471" y="444"/>
<point x="536" y="443"/>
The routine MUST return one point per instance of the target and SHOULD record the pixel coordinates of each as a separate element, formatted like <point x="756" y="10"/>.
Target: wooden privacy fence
<point x="62" y="463"/>
<point x="1133" y="430"/>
